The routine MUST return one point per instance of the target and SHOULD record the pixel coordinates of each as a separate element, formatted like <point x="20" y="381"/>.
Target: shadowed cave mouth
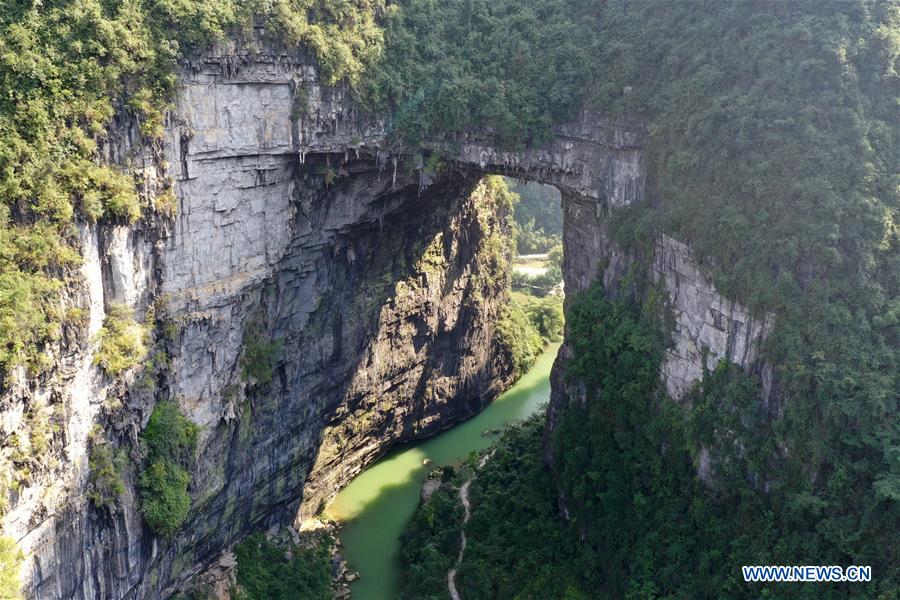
<point x="524" y="230"/>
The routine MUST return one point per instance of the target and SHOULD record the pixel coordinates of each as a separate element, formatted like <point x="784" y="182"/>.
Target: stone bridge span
<point x="259" y="104"/>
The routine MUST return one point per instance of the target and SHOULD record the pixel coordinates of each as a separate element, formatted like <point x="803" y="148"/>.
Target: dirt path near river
<point x="451" y="574"/>
<point x="467" y="512"/>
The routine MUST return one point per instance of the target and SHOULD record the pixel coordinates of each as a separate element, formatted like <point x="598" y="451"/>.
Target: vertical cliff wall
<point x="707" y="327"/>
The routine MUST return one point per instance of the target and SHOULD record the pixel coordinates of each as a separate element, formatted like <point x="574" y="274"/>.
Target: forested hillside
<point x="774" y="131"/>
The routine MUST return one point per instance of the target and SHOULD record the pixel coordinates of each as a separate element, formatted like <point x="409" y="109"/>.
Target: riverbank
<point x="376" y="507"/>
<point x="532" y="265"/>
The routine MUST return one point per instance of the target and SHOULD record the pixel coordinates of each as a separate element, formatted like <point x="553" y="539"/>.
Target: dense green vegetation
<point x="544" y="313"/>
<point x="266" y="572"/>
<point x="518" y="547"/>
<point x="105" y="481"/>
<point x="459" y="65"/>
<point x="627" y="464"/>
<point x="431" y="544"/>
<point x="646" y="525"/>
<point x="195" y="592"/>
<point x="10" y="559"/>
<point x="171" y="441"/>
<point x="530" y="239"/>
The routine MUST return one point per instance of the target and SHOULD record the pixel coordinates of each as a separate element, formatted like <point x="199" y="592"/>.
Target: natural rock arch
<point x="246" y="131"/>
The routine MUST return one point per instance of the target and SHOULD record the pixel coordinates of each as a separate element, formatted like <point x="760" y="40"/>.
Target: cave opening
<point x="494" y="329"/>
<point x="537" y="229"/>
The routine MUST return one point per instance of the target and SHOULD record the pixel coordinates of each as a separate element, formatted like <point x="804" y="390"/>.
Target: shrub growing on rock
<point x="106" y="465"/>
<point x="122" y="341"/>
<point x="10" y="557"/>
<point x="261" y="353"/>
<point x="171" y="441"/>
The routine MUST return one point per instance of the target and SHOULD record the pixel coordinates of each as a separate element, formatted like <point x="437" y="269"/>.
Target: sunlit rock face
<point x="708" y="326"/>
<point x="296" y="217"/>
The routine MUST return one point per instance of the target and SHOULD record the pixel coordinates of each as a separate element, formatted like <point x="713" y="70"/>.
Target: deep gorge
<point x="313" y="288"/>
<point x="377" y="348"/>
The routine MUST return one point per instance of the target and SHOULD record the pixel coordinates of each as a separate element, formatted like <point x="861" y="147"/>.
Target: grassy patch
<point x="122" y="341"/>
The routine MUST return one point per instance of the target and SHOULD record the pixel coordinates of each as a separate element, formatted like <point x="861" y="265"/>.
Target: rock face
<point x="297" y="223"/>
<point x="707" y="326"/>
<point x="376" y="289"/>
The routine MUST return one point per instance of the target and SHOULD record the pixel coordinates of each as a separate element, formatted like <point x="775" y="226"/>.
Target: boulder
<point x="428" y="488"/>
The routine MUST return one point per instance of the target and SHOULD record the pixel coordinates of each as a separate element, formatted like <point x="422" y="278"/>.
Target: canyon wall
<point x="299" y="222"/>
<point x="708" y="327"/>
<point x="376" y="290"/>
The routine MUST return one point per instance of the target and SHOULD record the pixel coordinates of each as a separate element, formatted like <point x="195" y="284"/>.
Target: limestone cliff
<point x="377" y="290"/>
<point x="707" y="327"/>
<point x="297" y="220"/>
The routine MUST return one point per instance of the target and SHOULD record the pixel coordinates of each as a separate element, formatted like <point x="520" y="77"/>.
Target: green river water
<point x="376" y="506"/>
